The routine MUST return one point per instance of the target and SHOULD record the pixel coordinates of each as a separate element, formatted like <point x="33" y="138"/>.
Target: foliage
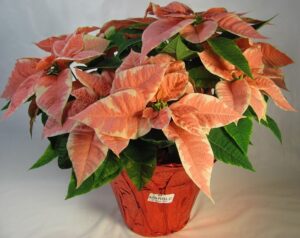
<point x="178" y="87"/>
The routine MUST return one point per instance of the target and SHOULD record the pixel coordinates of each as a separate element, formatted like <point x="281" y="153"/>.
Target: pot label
<point x="161" y="198"/>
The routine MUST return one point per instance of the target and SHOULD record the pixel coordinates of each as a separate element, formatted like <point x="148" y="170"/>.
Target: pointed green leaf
<point x="128" y="44"/>
<point x="182" y="51"/>
<point x="272" y="125"/>
<point x="228" y="50"/>
<point x="241" y="133"/>
<point x="109" y="169"/>
<point x="49" y="155"/>
<point x="203" y="78"/>
<point x="85" y="187"/>
<point x="178" y="48"/>
<point x="139" y="160"/>
<point x="226" y="150"/>
<point x="170" y="48"/>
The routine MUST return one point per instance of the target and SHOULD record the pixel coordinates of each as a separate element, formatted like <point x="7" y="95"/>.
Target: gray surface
<point x="265" y="204"/>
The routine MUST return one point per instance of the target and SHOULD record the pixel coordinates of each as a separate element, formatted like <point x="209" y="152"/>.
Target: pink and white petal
<point x="216" y="65"/>
<point x="86" y="152"/>
<point x="258" y="103"/>
<point x="84" y="98"/>
<point x="199" y="33"/>
<point x="100" y="83"/>
<point x="115" y="115"/>
<point x="158" y="119"/>
<point x="24" y="91"/>
<point x="254" y="57"/>
<point x="81" y="57"/>
<point x="214" y="13"/>
<point x="95" y="43"/>
<point x="116" y="144"/>
<point x="244" y="43"/>
<point x="189" y="88"/>
<point x="131" y="61"/>
<point x="272" y="90"/>
<point x="196" y="111"/>
<point x="73" y="45"/>
<point x="173" y="9"/>
<point x="234" y="94"/>
<point x="276" y="75"/>
<point x="52" y="93"/>
<point x="195" y="154"/>
<point x="172" y="86"/>
<point x="47" y="44"/>
<point x="23" y="69"/>
<point x="86" y="29"/>
<point x="234" y="24"/>
<point x="162" y="120"/>
<point x="161" y="30"/>
<point x="274" y="57"/>
<point x="145" y="78"/>
<point x="144" y="126"/>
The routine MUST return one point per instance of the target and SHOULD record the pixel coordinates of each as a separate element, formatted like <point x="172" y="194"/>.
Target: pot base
<point x="162" y="207"/>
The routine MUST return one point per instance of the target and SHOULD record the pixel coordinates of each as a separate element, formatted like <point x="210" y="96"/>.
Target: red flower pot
<point x="163" y="206"/>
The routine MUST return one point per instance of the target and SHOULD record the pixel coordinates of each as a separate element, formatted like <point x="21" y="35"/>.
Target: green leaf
<point x="182" y="51"/>
<point x="128" y="44"/>
<point x="241" y="133"/>
<point x="227" y="49"/>
<point x="203" y="78"/>
<point x="139" y="160"/>
<point x="108" y="34"/>
<point x="59" y="144"/>
<point x="177" y="47"/>
<point x="226" y="150"/>
<point x="49" y="155"/>
<point x="108" y="170"/>
<point x="272" y="125"/>
<point x="269" y="123"/>
<point x="85" y="187"/>
<point x="5" y="106"/>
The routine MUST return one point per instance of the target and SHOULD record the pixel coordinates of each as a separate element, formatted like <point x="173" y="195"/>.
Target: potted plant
<point x="149" y="104"/>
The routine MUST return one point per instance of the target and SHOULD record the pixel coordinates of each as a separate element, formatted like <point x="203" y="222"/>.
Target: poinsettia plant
<point x="178" y="87"/>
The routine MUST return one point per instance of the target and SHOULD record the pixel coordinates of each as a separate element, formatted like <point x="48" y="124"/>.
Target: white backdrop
<point x="264" y="204"/>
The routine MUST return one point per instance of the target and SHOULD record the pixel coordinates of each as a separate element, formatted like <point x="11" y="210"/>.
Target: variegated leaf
<point x="217" y="65"/>
<point x="100" y="83"/>
<point x="24" y="91"/>
<point x="258" y="103"/>
<point x="23" y="69"/>
<point x="270" y="88"/>
<point x="234" y="24"/>
<point x="195" y="154"/>
<point x="145" y="78"/>
<point x="52" y="93"/>
<point x="86" y="152"/>
<point x="199" y="33"/>
<point x="115" y="115"/>
<point x="274" y="57"/>
<point x="195" y="112"/>
<point x="235" y="95"/>
<point x="161" y="30"/>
